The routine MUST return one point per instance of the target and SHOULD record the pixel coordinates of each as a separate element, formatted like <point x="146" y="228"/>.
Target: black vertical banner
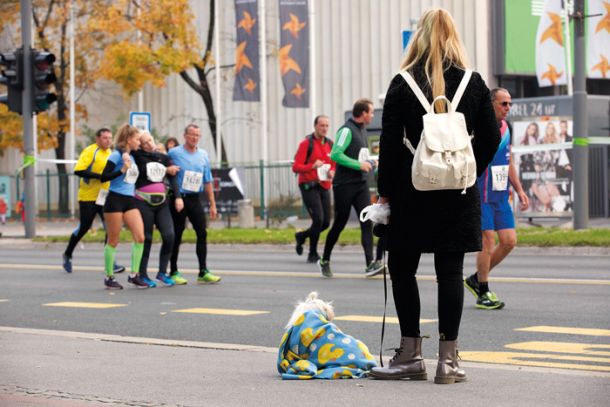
<point x="294" y="52"/>
<point x="247" y="74"/>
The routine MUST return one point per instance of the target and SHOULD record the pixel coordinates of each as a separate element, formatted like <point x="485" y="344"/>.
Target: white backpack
<point x="444" y="158"/>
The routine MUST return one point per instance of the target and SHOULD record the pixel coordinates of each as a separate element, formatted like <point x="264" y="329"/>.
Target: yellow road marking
<point x="562" y="347"/>
<point x="566" y="330"/>
<point x="98" y="305"/>
<point x="311" y="274"/>
<point x="536" y="359"/>
<point x="220" y="311"/>
<point x="368" y="318"/>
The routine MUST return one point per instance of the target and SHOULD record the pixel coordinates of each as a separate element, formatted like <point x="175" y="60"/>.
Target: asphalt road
<point x="557" y="313"/>
<point x="548" y="290"/>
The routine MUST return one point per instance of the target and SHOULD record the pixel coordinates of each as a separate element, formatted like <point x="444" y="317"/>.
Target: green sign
<point x="520" y="37"/>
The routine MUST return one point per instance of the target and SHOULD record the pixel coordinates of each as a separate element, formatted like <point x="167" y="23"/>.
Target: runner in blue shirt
<point x="194" y="177"/>
<point x="496" y="212"/>
<point x="120" y="205"/>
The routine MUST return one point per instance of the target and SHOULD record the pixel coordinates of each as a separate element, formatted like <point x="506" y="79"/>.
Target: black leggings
<point x="160" y="216"/>
<point x="193" y="209"/>
<point x="87" y="212"/>
<point x="449" y="269"/>
<point x="346" y="196"/>
<point x="317" y="202"/>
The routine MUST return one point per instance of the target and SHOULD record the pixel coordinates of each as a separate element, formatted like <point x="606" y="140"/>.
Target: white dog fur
<point x="311" y="303"/>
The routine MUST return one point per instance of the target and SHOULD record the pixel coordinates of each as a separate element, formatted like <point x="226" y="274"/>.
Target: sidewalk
<point x="58" y="368"/>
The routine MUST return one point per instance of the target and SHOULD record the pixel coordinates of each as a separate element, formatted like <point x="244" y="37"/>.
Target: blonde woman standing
<point x="446" y="223"/>
<point x="120" y="206"/>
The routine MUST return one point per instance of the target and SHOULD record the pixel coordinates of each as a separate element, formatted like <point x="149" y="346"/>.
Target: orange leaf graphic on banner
<point x="287" y="64"/>
<point x="293" y="26"/>
<point x="554" y="30"/>
<point x="604" y="23"/>
<point x="602" y="66"/>
<point x="250" y="85"/>
<point x="247" y="23"/>
<point x="241" y="59"/>
<point x="298" y="90"/>
<point x="552" y="74"/>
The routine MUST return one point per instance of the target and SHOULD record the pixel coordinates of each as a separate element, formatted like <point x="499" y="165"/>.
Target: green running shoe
<point x="206" y="277"/>
<point x="178" y="279"/>
<point x="325" y="268"/>
<point x="472" y="285"/>
<point x="489" y="300"/>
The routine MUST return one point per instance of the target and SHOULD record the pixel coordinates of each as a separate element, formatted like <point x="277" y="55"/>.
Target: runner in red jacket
<point x="315" y="172"/>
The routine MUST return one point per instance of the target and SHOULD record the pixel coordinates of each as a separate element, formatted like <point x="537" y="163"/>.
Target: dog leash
<point x="385" y="306"/>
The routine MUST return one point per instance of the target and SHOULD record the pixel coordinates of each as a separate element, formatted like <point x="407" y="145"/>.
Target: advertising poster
<point x="542" y="156"/>
<point x="5" y="195"/>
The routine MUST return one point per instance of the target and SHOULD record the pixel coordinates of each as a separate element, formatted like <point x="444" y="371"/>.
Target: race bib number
<point x="323" y="172"/>
<point x="101" y="197"/>
<point x="364" y="154"/>
<point x="192" y="181"/>
<point x="155" y="172"/>
<point x="499" y="175"/>
<point x="131" y="175"/>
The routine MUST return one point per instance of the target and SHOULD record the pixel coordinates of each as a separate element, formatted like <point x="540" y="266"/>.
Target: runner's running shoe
<point x="374" y="268"/>
<point x="489" y="300"/>
<point x="67" y="263"/>
<point x="178" y="279"/>
<point x="472" y="285"/>
<point x="112" y="284"/>
<point x="117" y="268"/>
<point x="325" y="268"/>
<point x="313" y="258"/>
<point x="137" y="281"/>
<point x="300" y="241"/>
<point x="151" y="284"/>
<point x="206" y="277"/>
<point x="164" y="279"/>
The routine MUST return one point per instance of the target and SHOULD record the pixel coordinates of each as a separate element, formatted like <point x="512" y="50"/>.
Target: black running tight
<point x="317" y="202"/>
<point x="346" y="196"/>
<point x="87" y="211"/>
<point x="193" y="209"/>
<point x="162" y="218"/>
<point x="449" y="269"/>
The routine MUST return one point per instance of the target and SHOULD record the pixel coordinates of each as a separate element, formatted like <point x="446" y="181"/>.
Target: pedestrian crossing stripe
<point x="96" y="305"/>
<point x="566" y="330"/>
<point x="368" y="318"/>
<point x="3" y="300"/>
<point x="539" y="359"/>
<point x="588" y="349"/>
<point x="220" y="311"/>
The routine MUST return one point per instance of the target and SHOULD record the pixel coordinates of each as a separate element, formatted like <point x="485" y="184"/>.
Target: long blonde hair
<point x="437" y="42"/>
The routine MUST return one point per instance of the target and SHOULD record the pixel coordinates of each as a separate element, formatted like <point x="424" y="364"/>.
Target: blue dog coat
<point x="315" y="348"/>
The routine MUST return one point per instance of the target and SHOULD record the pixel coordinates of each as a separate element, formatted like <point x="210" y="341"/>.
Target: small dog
<point x="311" y="303"/>
<point x="313" y="347"/>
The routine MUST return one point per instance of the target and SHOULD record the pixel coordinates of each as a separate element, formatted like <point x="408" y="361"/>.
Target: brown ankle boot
<point x="448" y="371"/>
<point x="406" y="363"/>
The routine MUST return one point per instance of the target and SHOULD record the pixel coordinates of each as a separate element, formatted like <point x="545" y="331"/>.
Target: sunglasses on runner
<point x="504" y="104"/>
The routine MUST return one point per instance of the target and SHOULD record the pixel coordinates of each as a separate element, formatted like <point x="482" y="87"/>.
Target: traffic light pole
<point x="28" y="133"/>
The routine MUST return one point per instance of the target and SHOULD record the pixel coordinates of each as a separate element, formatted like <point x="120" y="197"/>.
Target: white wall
<point x="358" y="49"/>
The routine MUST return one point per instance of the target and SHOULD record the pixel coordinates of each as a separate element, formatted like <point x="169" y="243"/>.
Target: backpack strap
<point x="416" y="90"/>
<point x="309" y="148"/>
<point x="461" y="88"/>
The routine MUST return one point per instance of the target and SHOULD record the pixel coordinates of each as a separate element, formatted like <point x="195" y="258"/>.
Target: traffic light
<point x="42" y="76"/>
<point x="12" y="78"/>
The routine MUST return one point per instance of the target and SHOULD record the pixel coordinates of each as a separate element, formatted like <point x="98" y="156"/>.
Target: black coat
<point x="433" y="221"/>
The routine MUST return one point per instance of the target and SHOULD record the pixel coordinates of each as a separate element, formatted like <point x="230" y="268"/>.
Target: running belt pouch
<point x="152" y="198"/>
